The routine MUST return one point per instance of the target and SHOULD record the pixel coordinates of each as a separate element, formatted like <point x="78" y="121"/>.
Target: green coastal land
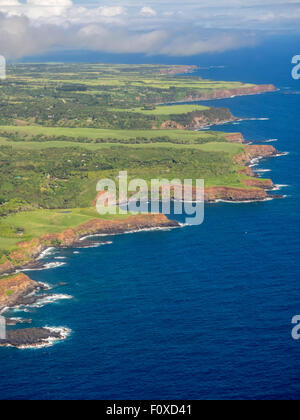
<point x="63" y="127"/>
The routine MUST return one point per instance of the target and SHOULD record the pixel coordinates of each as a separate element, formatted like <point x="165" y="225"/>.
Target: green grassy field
<point x="120" y="80"/>
<point x="94" y="133"/>
<point x="40" y="222"/>
<point x="166" y="110"/>
<point x="225" y="147"/>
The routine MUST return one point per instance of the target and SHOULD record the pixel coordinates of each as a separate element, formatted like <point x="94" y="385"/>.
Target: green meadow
<point x="93" y="133"/>
<point x="166" y="110"/>
<point x="34" y="224"/>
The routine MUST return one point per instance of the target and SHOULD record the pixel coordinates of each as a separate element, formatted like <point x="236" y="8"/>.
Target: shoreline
<point x="72" y="237"/>
<point x="23" y="291"/>
<point x="17" y="289"/>
<point x="31" y="251"/>
<point x="227" y="94"/>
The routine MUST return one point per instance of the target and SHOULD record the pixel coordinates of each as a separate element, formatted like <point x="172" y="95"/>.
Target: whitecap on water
<point x="279" y="187"/>
<point x="50" y="299"/>
<point x="45" y="253"/>
<point x="54" y="265"/>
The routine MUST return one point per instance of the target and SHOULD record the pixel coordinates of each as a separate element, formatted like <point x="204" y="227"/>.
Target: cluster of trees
<point x="67" y="177"/>
<point x="14" y="205"/>
<point x="16" y="136"/>
<point x="207" y="116"/>
<point x="43" y="96"/>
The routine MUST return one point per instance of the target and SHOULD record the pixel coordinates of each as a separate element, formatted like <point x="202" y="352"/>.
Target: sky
<point x="167" y="27"/>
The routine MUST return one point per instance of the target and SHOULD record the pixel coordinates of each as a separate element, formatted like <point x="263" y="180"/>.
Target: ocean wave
<point x="54" y="265"/>
<point x="45" y="253"/>
<point x="96" y="245"/>
<point x="45" y="286"/>
<point x="244" y="202"/>
<point x="183" y="225"/>
<point x="150" y="230"/>
<point x="50" y="299"/>
<point x="282" y="154"/>
<point x="103" y="235"/>
<point x="257" y="119"/>
<point x="40" y="303"/>
<point x="4" y="309"/>
<point x="279" y="187"/>
<point x="84" y="238"/>
<point x="47" y="266"/>
<point x="89" y="237"/>
<point x="17" y="319"/>
<point x="255" y="162"/>
<point x="263" y="170"/>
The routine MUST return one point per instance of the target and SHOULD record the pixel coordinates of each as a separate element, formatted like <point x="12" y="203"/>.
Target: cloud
<point x="148" y="11"/>
<point x="112" y="11"/>
<point x="19" y="39"/>
<point x="160" y="27"/>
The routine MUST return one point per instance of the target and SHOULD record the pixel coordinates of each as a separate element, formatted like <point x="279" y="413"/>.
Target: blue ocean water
<point x="193" y="313"/>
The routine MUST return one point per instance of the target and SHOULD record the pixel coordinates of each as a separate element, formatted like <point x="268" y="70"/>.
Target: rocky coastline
<point x="199" y="120"/>
<point x="28" y="252"/>
<point x="229" y="93"/>
<point x="257" y="189"/>
<point x="28" y="338"/>
<point x="17" y="289"/>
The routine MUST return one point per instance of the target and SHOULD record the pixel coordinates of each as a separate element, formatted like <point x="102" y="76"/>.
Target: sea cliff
<point x="257" y="189"/>
<point x="214" y="194"/>
<point x="255" y="152"/>
<point x="198" y="119"/>
<point x="13" y="288"/>
<point x="27" y="252"/>
<point x="19" y="289"/>
<point x="228" y="93"/>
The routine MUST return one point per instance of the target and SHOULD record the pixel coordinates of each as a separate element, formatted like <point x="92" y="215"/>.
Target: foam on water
<point x="45" y="253"/>
<point x="51" y="341"/>
<point x="40" y="303"/>
<point x="279" y="187"/>
<point x="48" y="266"/>
<point x="244" y="202"/>
<point x="50" y="299"/>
